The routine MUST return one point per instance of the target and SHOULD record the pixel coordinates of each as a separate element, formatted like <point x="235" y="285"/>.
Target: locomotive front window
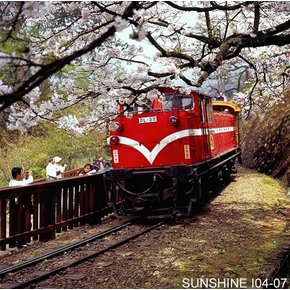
<point x="178" y="101"/>
<point x="187" y="103"/>
<point x="168" y="105"/>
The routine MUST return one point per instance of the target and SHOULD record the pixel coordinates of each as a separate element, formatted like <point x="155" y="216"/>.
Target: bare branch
<point x="214" y="6"/>
<point x="257" y="17"/>
<point x="208" y="24"/>
<point x="165" y="53"/>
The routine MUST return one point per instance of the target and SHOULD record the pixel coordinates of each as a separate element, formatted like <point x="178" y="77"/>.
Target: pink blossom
<point x="86" y="13"/>
<point x="120" y="23"/>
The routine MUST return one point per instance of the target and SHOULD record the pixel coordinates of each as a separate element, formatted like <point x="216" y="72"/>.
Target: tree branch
<point x="214" y="6"/>
<point x="13" y="25"/>
<point x="257" y="17"/>
<point x="165" y="53"/>
<point x="49" y="69"/>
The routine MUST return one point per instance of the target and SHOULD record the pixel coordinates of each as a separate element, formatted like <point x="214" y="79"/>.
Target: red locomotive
<point x="167" y="157"/>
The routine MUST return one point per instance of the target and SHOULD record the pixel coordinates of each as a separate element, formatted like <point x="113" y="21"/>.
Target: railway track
<point x="32" y="271"/>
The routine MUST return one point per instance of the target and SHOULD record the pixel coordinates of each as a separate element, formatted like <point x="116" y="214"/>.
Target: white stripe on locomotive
<point x="151" y="155"/>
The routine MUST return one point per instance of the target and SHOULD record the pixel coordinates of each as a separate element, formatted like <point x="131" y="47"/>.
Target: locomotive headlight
<point x="115" y="126"/>
<point x="114" y="140"/>
<point x="173" y="120"/>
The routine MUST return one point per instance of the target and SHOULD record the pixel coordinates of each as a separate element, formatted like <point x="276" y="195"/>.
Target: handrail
<point x="40" y="209"/>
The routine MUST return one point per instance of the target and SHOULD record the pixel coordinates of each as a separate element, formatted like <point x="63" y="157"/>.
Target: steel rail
<point x="93" y="255"/>
<point x="61" y="250"/>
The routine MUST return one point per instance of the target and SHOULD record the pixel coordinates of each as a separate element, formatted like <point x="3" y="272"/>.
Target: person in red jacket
<point x="157" y="104"/>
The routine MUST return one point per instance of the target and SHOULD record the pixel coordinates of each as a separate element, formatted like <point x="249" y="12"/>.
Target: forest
<point x="64" y="66"/>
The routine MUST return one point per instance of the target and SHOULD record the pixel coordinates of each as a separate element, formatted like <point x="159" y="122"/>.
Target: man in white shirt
<point x="18" y="179"/>
<point x="51" y="170"/>
<point x="23" y="204"/>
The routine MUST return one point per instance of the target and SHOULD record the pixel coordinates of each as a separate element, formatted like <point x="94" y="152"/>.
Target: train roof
<point x="222" y="105"/>
<point x="176" y="88"/>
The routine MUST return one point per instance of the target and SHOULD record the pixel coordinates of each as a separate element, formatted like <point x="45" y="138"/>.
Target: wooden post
<point x="52" y="214"/>
<point x="87" y="198"/>
<point x="64" y="207"/>
<point x="82" y="201"/>
<point x="13" y="220"/>
<point x="70" y="204"/>
<point x="3" y="208"/>
<point x="35" y="213"/>
<point x="43" y="217"/>
<point x="47" y="214"/>
<point x="77" y="203"/>
<point x="92" y="203"/>
<point x="58" y="208"/>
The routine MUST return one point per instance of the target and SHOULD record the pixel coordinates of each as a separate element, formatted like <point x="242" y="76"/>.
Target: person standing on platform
<point x="51" y="170"/>
<point x="22" y="208"/>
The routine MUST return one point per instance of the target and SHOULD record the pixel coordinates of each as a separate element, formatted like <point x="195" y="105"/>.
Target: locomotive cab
<point x="169" y="133"/>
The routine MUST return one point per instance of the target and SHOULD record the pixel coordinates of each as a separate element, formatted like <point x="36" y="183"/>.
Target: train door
<point x="192" y="110"/>
<point x="205" y="114"/>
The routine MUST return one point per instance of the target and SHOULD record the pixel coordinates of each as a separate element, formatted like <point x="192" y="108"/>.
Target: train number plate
<point x="145" y="120"/>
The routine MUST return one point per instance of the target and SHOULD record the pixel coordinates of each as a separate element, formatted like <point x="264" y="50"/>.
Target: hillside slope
<point x="266" y="141"/>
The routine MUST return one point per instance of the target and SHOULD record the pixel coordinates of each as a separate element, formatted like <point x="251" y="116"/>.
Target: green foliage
<point x="11" y="47"/>
<point x="31" y="151"/>
<point x="14" y="46"/>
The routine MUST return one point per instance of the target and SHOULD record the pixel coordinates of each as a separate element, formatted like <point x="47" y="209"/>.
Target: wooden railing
<point x="40" y="210"/>
<point x="68" y="173"/>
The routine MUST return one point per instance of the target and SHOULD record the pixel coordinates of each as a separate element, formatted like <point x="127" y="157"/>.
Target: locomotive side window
<point x="205" y="109"/>
<point x="208" y="110"/>
<point x="201" y="106"/>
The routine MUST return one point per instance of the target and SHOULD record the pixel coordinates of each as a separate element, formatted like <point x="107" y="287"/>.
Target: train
<point x="167" y="157"/>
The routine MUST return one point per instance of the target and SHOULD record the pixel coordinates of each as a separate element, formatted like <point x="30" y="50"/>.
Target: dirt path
<point x="238" y="234"/>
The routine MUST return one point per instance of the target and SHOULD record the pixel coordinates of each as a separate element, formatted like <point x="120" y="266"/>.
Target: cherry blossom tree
<point x="56" y="56"/>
